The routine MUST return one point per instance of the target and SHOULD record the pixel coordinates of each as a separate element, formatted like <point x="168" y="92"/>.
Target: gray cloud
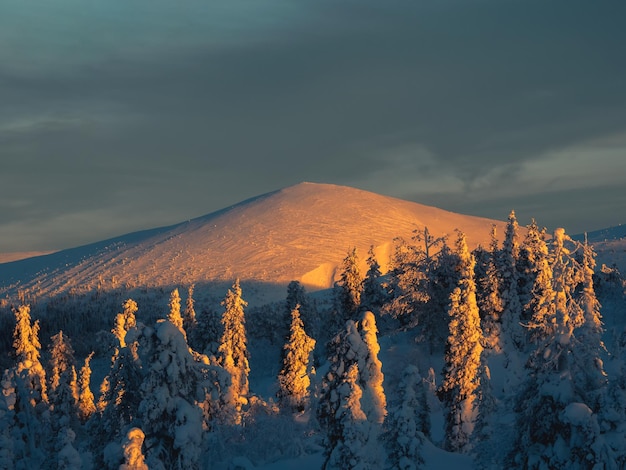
<point x="148" y="116"/>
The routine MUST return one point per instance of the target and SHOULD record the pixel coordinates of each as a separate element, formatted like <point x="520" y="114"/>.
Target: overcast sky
<point x="123" y="115"/>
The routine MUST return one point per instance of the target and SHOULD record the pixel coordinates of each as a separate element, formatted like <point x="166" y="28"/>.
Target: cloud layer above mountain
<point x="123" y="115"/>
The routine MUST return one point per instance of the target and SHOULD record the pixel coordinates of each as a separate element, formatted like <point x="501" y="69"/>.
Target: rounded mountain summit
<point x="302" y="232"/>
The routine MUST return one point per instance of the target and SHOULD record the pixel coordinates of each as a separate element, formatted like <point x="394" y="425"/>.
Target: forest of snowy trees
<point x="512" y="357"/>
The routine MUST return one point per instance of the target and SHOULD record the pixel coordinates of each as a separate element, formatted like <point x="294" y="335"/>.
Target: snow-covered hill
<point x="299" y="233"/>
<point x="609" y="244"/>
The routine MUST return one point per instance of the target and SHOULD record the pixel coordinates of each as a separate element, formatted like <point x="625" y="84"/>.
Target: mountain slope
<point x="302" y="232"/>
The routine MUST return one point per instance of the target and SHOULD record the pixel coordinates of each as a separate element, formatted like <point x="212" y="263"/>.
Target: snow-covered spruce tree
<point x="294" y="380"/>
<point x="374" y="401"/>
<point x="557" y="423"/>
<point x="63" y="389"/>
<point x="86" y="404"/>
<point x="297" y="295"/>
<point x="461" y="381"/>
<point x="541" y="308"/>
<point x="350" y="285"/>
<point x="24" y="385"/>
<point x="490" y="302"/>
<point x="512" y="307"/>
<point x="345" y="350"/>
<point x="418" y="281"/>
<point x="353" y="448"/>
<point x="374" y="295"/>
<point x="532" y="254"/>
<point x="68" y="458"/>
<point x="169" y="413"/>
<point x="189" y="315"/>
<point x="125" y="321"/>
<point x="206" y="336"/>
<point x="174" y="316"/>
<point x="133" y="454"/>
<point x="408" y="423"/>
<point x="233" y="349"/>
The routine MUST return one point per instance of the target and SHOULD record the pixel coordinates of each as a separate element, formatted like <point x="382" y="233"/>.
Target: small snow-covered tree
<point x="63" y="390"/>
<point x="294" y="380"/>
<point x="350" y="285"/>
<point x="189" y="316"/>
<point x="133" y="454"/>
<point x="374" y="295"/>
<point x="353" y="448"/>
<point x="125" y="321"/>
<point x="348" y="349"/>
<point x="233" y="349"/>
<point x="297" y="296"/>
<point x="408" y="422"/>
<point x="461" y="380"/>
<point x="86" y="405"/>
<point x="68" y="458"/>
<point x="174" y="316"/>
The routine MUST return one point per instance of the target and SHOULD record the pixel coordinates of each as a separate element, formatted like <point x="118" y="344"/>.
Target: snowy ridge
<point x="298" y="233"/>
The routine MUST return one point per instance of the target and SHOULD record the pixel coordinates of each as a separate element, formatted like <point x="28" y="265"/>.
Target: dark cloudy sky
<point x="120" y="115"/>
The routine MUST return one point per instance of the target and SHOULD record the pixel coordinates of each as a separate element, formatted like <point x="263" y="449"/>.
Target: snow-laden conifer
<point x="132" y="449"/>
<point x="407" y="423"/>
<point x="172" y="386"/>
<point x="233" y="349"/>
<point x="174" y="316"/>
<point x="374" y="295"/>
<point x="461" y="379"/>
<point x="558" y="425"/>
<point x="86" y="406"/>
<point x="63" y="389"/>
<point x="371" y="376"/>
<point x="350" y="285"/>
<point x="125" y="321"/>
<point x="353" y="448"/>
<point x="294" y="378"/>
<point x="189" y="315"/>
<point x="512" y="307"/>
<point x="490" y="302"/>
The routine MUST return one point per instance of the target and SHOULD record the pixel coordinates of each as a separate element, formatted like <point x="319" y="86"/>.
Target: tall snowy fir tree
<point x="558" y="409"/>
<point x="25" y="387"/>
<point x="172" y="386"/>
<point x="294" y="378"/>
<point x="512" y="307"/>
<point x="532" y="255"/>
<point x="490" y="302"/>
<point x="86" y="404"/>
<point x="63" y="390"/>
<point x="233" y="349"/>
<point x="371" y="375"/>
<point x="461" y="381"/>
